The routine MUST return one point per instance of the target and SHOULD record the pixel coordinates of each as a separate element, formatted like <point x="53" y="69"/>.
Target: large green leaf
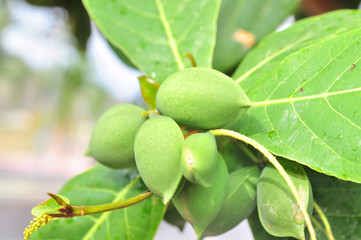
<point x="257" y="17"/>
<point x="154" y="34"/>
<point x="339" y="201"/>
<point x="103" y="185"/>
<point x="306" y="105"/>
<point x="274" y="48"/>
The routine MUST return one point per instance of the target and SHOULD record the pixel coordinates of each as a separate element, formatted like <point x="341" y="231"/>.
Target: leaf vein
<point x="135" y="31"/>
<point x="323" y="142"/>
<point x="103" y="216"/>
<point x="190" y="26"/>
<point x="140" y="11"/>
<point x="279" y="137"/>
<point x="92" y="189"/>
<point x="180" y="9"/>
<point x="342" y="116"/>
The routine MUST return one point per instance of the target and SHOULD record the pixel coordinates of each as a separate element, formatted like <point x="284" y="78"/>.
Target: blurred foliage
<point x="78" y="18"/>
<point x="55" y="98"/>
<point x="4" y="16"/>
<point x="58" y="92"/>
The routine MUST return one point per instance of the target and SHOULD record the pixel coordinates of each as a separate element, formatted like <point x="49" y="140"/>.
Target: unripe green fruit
<point x="278" y="209"/>
<point x="158" y="150"/>
<point x="112" y="139"/>
<point x="201" y="98"/>
<point x="240" y="201"/>
<point x="200" y="205"/>
<point x="200" y="159"/>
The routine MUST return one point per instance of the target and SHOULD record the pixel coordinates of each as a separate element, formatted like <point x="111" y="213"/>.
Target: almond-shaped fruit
<point x="158" y="150"/>
<point x="278" y="209"/>
<point x="200" y="158"/>
<point x="201" y="98"/>
<point x="112" y="139"/>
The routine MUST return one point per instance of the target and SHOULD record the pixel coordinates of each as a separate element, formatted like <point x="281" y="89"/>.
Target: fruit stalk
<point x="324" y="221"/>
<point x="74" y="211"/>
<point x="277" y="165"/>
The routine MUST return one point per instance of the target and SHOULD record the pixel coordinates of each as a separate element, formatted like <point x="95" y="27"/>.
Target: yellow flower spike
<point x="37" y="222"/>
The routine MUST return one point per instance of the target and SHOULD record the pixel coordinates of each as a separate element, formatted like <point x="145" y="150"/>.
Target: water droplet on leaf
<point x="272" y="134"/>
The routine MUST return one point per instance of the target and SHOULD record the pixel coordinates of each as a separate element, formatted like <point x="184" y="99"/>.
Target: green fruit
<point x="201" y="98"/>
<point x="240" y="202"/>
<point x="112" y="139"/>
<point x="158" y="150"/>
<point x="278" y="210"/>
<point x="200" y="205"/>
<point x="200" y="158"/>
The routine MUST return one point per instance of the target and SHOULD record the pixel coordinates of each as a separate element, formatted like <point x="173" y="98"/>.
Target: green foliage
<point x="278" y="211"/>
<point x="112" y="139"/>
<point x="149" y="89"/>
<point x="103" y="185"/>
<point x="201" y="98"/>
<point x="236" y="155"/>
<point x="339" y="201"/>
<point x="158" y="150"/>
<point x="316" y="79"/>
<point x="160" y="32"/>
<point x="300" y="88"/>
<point x="242" y="23"/>
<point x="49" y="206"/>
<point x="200" y="159"/>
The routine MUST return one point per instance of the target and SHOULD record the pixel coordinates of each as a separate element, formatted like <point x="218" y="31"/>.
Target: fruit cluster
<point x="187" y="170"/>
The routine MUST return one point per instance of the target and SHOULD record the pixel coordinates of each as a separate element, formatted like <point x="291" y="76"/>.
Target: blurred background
<point x="57" y="75"/>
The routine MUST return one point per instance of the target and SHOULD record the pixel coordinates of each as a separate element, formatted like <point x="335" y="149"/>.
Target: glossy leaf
<point x="339" y="201"/>
<point x="155" y="34"/>
<point x="103" y="185"/>
<point x="242" y="23"/>
<point x="306" y="105"/>
<point x="274" y="48"/>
